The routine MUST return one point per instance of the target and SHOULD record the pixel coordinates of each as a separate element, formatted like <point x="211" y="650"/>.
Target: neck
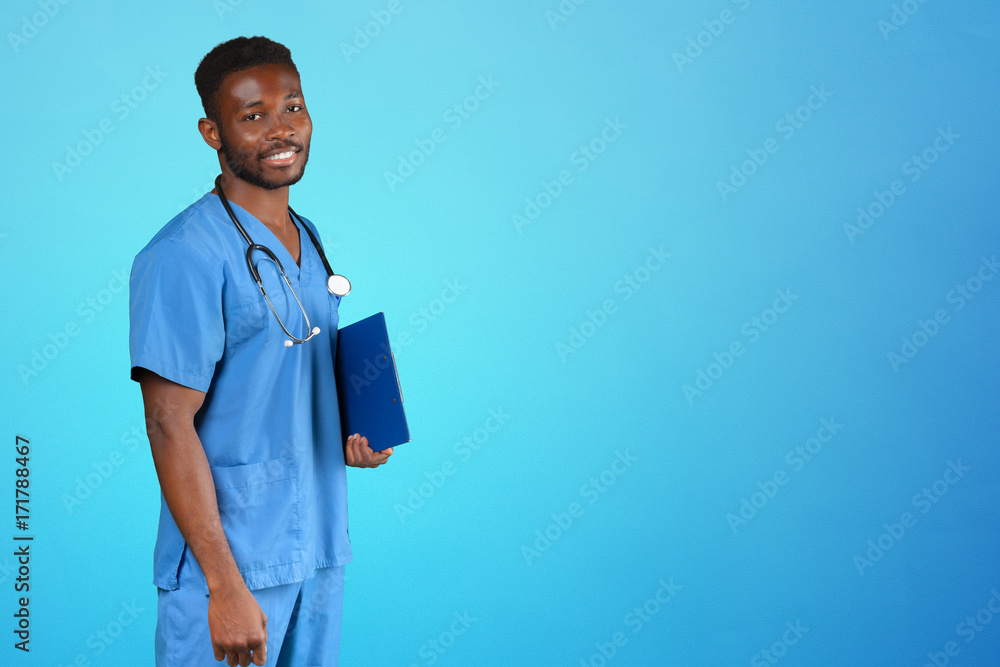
<point x="268" y="206"/>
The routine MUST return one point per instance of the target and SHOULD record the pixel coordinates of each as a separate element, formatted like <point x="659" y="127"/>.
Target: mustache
<point x="278" y="147"/>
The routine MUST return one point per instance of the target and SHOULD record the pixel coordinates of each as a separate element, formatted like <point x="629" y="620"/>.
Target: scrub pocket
<point x="250" y="316"/>
<point x="259" y="508"/>
<point x="244" y="321"/>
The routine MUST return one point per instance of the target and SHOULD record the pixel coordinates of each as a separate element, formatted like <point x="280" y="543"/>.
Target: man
<point x="245" y="432"/>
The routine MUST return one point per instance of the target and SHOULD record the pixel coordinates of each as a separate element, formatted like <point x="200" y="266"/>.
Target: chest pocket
<point x="244" y="321"/>
<point x="253" y="317"/>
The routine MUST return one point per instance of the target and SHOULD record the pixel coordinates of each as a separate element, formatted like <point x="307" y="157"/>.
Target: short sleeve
<point x="176" y="324"/>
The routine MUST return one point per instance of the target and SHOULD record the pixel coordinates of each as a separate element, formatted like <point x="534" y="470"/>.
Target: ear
<point x="209" y="132"/>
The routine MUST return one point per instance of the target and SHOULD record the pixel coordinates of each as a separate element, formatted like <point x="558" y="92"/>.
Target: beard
<point x="246" y="165"/>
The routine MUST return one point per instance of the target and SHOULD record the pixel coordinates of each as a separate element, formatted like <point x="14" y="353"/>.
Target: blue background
<point x="695" y="94"/>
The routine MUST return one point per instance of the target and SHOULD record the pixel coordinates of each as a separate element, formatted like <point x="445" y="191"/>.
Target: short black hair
<point x="236" y="55"/>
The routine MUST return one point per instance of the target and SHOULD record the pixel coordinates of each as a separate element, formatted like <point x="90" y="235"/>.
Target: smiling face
<point x="264" y="128"/>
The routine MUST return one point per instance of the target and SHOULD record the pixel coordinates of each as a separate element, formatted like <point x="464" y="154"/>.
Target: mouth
<point x="282" y="158"/>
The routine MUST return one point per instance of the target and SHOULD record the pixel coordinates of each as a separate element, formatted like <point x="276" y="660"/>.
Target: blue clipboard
<point x="371" y="402"/>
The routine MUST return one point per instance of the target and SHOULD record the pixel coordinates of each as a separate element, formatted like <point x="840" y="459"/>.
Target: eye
<point x="249" y="116"/>
<point x="295" y="107"/>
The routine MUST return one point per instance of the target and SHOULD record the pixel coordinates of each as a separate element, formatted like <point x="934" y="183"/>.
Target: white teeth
<point x="280" y="156"/>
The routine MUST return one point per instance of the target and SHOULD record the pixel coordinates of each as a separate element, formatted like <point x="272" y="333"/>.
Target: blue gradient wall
<point x="694" y="307"/>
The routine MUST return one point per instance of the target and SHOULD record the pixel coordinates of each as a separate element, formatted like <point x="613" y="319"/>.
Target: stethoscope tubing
<point x="332" y="278"/>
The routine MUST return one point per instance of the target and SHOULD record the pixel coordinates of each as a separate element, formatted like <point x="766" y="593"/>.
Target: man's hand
<point x="238" y="626"/>
<point x="357" y="453"/>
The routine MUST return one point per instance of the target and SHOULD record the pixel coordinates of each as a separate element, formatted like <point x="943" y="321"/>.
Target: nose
<point x="279" y="128"/>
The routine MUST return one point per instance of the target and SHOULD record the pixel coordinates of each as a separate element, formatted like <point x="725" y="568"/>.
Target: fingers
<point x="353" y="454"/>
<point x="260" y="649"/>
<point x="243" y="657"/>
<point x="235" y="657"/>
<point x="238" y="628"/>
<point x="376" y="458"/>
<point x="358" y="453"/>
<point x="349" y="451"/>
<point x="253" y="652"/>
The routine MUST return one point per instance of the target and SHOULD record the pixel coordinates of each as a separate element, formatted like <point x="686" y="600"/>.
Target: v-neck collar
<point x="262" y="235"/>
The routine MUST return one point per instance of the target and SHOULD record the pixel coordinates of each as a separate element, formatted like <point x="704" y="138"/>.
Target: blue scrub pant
<point x="303" y="620"/>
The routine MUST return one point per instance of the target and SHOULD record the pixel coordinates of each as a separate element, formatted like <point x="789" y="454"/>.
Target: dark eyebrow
<point x="256" y="103"/>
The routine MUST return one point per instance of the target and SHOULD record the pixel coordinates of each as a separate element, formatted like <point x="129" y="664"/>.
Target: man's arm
<point x="236" y="622"/>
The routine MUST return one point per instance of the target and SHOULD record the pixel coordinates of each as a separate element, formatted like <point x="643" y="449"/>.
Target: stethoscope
<point x="337" y="284"/>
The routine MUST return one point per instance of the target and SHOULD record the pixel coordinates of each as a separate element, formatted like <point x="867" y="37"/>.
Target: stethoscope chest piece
<point x="338" y="285"/>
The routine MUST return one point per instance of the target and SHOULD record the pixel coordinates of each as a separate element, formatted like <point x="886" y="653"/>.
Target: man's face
<point x="265" y="128"/>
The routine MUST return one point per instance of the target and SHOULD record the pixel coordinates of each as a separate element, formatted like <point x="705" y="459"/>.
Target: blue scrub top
<point x="270" y="424"/>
